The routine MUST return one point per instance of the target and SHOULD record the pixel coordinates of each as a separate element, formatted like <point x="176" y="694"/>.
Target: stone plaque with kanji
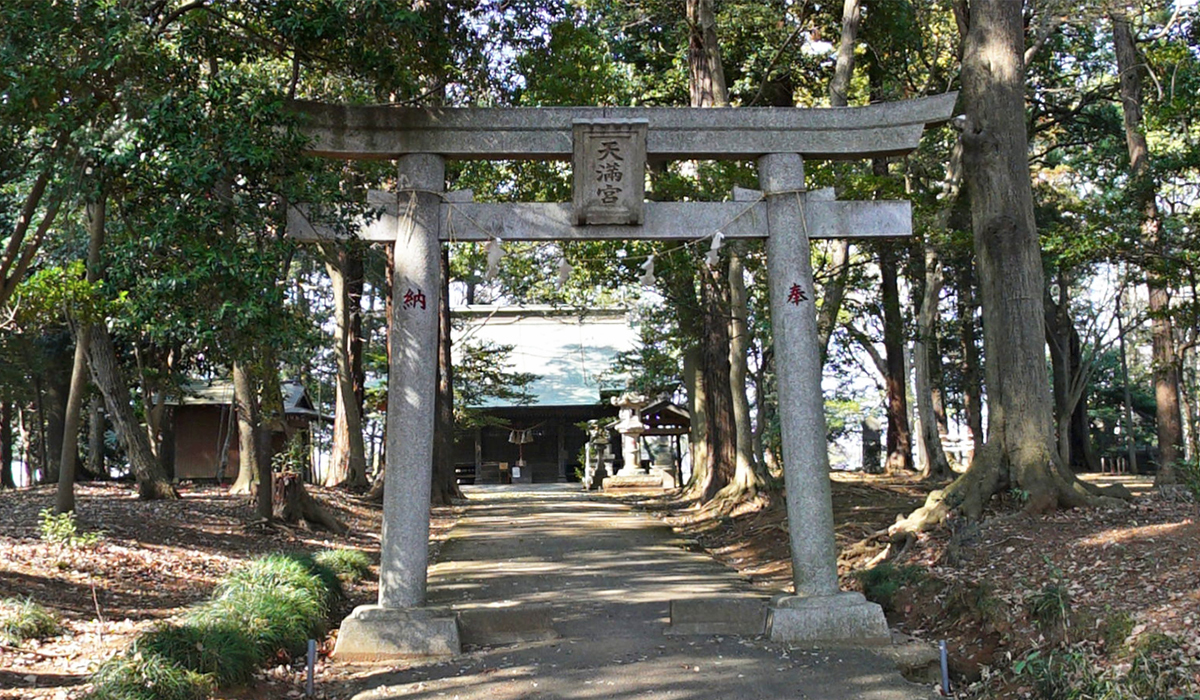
<point x="610" y="171"/>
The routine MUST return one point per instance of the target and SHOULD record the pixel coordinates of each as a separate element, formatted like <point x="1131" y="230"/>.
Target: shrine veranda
<point x="609" y="148"/>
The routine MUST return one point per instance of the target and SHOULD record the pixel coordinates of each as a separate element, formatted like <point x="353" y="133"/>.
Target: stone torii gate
<point x="609" y="148"/>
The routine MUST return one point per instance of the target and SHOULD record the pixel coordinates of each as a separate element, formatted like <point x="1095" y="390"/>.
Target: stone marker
<point x="609" y="166"/>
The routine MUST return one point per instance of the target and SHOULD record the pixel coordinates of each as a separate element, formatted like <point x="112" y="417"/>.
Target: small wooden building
<point x="205" y="434"/>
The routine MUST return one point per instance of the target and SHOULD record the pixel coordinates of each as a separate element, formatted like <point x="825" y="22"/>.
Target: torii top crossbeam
<point x="386" y="132"/>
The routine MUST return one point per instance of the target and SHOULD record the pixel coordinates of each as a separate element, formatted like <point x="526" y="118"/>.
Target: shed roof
<point x="219" y="392"/>
<point x="569" y="349"/>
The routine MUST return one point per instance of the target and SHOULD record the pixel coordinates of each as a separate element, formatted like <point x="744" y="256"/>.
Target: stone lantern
<point x="630" y="427"/>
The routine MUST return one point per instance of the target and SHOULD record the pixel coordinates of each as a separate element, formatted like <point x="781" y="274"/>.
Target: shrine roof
<point x="570" y="349"/>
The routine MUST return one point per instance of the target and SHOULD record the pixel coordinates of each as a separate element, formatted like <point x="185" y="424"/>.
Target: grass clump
<point x="138" y="676"/>
<point x="349" y="564"/>
<point x="22" y="619"/>
<point x="1153" y="674"/>
<point x="1116" y="630"/>
<point x="1050" y="606"/>
<point x="882" y="583"/>
<point x="63" y="530"/>
<point x="293" y="572"/>
<point x="219" y="649"/>
<point x="274" y="603"/>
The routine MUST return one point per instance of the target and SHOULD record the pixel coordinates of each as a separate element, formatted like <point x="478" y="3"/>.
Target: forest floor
<point x="153" y="560"/>
<point x="1089" y="583"/>
<point x="1026" y="604"/>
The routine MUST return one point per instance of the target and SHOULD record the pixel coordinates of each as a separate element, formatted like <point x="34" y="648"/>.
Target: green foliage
<point x="1051" y="605"/>
<point x="1072" y="675"/>
<point x="220" y="649"/>
<point x="1188" y="473"/>
<point x="481" y="375"/>
<point x="1115" y="630"/>
<point x="22" y="619"/>
<point x="62" y="529"/>
<point x="349" y="564"/>
<point x="274" y="603"/>
<point x="882" y="583"/>
<point x="279" y="572"/>
<point x="135" y="676"/>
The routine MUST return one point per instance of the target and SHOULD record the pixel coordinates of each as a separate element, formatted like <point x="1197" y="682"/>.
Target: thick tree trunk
<point x="291" y="503"/>
<point x="245" y="397"/>
<point x="69" y="452"/>
<point x="699" y="445"/>
<point x="106" y="373"/>
<point x="707" y="75"/>
<point x="747" y="477"/>
<point x="347" y="462"/>
<point x="722" y="434"/>
<point x="899" y="435"/>
<point x="936" y="466"/>
<point x="445" y="485"/>
<point x="7" y="480"/>
<point x="1166" y="361"/>
<point x="1020" y="447"/>
<point x="95" y="457"/>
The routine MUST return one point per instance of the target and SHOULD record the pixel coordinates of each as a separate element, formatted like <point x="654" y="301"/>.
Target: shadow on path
<point x="606" y="575"/>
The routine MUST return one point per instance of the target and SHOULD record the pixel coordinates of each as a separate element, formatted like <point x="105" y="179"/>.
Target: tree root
<point x="1046" y="486"/>
<point x="293" y="504"/>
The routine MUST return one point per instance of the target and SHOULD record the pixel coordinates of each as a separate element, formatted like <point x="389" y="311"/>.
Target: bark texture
<point x="245" y="397"/>
<point x="106" y="373"/>
<point x="348" y="462"/>
<point x="1166" y="366"/>
<point x="445" y="486"/>
<point x="1020" y="450"/>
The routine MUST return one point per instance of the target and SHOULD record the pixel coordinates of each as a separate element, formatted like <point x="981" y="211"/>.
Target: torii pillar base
<point x="375" y="633"/>
<point x="846" y="617"/>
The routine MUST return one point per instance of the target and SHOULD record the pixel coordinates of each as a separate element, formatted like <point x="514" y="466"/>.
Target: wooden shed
<point x="206" y="445"/>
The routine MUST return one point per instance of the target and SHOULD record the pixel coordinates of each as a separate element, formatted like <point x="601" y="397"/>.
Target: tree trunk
<point x="1019" y="451"/>
<point x="106" y="373"/>
<point x="7" y="480"/>
<point x="292" y="503"/>
<point x="95" y="456"/>
<point x="347" y="462"/>
<point x="272" y="422"/>
<point x="69" y="453"/>
<point x="445" y="484"/>
<point x="722" y="434"/>
<point x="747" y="477"/>
<point x="245" y="399"/>
<point x="972" y="387"/>
<point x="936" y="466"/>
<point x="1166" y="362"/>
<point x="839" y="87"/>
<point x="713" y="463"/>
<point x="707" y="75"/>
<point x="899" y="435"/>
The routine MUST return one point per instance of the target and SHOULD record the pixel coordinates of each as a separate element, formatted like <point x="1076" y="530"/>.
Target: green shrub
<point x="220" y="649"/>
<point x="272" y="618"/>
<point x="62" y="529"/>
<point x="148" y="677"/>
<point x="882" y="583"/>
<point x="25" y="619"/>
<point x="290" y="571"/>
<point x="349" y="564"/>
